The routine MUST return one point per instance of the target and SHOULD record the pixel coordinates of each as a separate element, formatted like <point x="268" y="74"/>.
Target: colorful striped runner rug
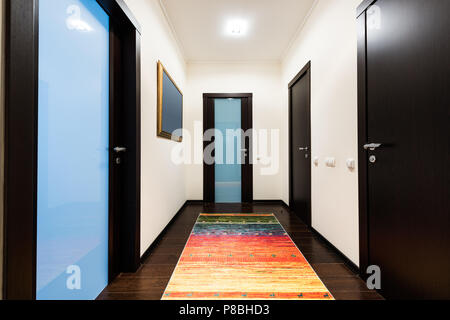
<point x="243" y="257"/>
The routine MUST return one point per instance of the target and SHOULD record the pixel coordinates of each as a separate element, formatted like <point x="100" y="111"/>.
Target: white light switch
<point x="330" y="162"/>
<point x="316" y="161"/>
<point x="351" y="164"/>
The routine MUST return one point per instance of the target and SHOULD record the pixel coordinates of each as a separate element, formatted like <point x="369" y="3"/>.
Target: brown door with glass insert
<point x="228" y="171"/>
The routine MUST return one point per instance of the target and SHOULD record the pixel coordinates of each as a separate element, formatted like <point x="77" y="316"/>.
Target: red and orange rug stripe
<point x="243" y="257"/>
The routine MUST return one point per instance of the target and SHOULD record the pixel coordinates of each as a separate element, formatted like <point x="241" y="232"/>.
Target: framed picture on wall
<point x="170" y="106"/>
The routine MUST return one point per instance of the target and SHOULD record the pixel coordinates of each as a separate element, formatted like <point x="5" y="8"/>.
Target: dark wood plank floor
<point x="150" y="281"/>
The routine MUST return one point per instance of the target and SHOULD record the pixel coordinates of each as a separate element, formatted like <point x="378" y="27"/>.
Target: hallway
<point x="224" y="150"/>
<point x="150" y="281"/>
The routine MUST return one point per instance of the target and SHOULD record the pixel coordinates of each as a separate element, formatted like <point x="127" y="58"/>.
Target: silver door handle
<point x="120" y="149"/>
<point x="372" y="146"/>
<point x="303" y="149"/>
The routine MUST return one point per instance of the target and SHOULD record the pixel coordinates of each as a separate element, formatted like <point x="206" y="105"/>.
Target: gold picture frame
<point x="161" y="131"/>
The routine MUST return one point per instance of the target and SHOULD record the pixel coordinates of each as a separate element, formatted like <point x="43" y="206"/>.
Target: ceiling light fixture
<point x="236" y="28"/>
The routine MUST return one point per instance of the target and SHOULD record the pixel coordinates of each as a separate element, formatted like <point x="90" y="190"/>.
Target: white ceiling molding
<point x="173" y="31"/>
<point x="273" y="26"/>
<point x="299" y="30"/>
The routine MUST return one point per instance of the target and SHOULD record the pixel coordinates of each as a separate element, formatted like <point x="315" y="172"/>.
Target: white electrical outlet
<point x="330" y="162"/>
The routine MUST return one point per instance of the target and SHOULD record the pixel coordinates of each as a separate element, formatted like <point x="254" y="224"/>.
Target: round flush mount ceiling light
<point x="236" y="27"/>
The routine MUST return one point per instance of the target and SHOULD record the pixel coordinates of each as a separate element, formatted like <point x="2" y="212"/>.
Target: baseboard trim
<point x="163" y="232"/>
<point x="280" y="202"/>
<point x="197" y="202"/>
<point x="286" y="206"/>
<point x="352" y="266"/>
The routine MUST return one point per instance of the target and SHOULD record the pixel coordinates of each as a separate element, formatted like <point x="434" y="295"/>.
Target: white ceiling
<point x="199" y="26"/>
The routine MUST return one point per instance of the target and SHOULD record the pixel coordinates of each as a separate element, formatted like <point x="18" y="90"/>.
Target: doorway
<point x="72" y="141"/>
<point x="403" y="145"/>
<point x="228" y="171"/>
<point x="300" y="144"/>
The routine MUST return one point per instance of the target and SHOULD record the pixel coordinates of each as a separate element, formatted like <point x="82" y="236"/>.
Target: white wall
<point x="261" y="79"/>
<point x="328" y="39"/>
<point x="162" y="182"/>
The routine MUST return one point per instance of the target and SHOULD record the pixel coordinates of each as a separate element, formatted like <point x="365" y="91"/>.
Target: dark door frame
<point x="364" y="6"/>
<point x="362" y="138"/>
<point x="21" y="110"/>
<point x="247" y="123"/>
<point x="300" y="75"/>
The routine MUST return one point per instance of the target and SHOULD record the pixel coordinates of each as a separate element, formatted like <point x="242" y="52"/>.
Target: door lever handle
<point x="120" y="149"/>
<point x="303" y="149"/>
<point x="372" y="146"/>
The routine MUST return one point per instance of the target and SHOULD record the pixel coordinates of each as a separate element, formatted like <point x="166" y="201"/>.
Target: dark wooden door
<point x="408" y="99"/>
<point x="300" y="144"/>
<point x="246" y="143"/>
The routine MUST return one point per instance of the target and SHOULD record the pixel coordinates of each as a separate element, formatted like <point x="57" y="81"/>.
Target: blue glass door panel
<point x="228" y="173"/>
<point x="73" y="150"/>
